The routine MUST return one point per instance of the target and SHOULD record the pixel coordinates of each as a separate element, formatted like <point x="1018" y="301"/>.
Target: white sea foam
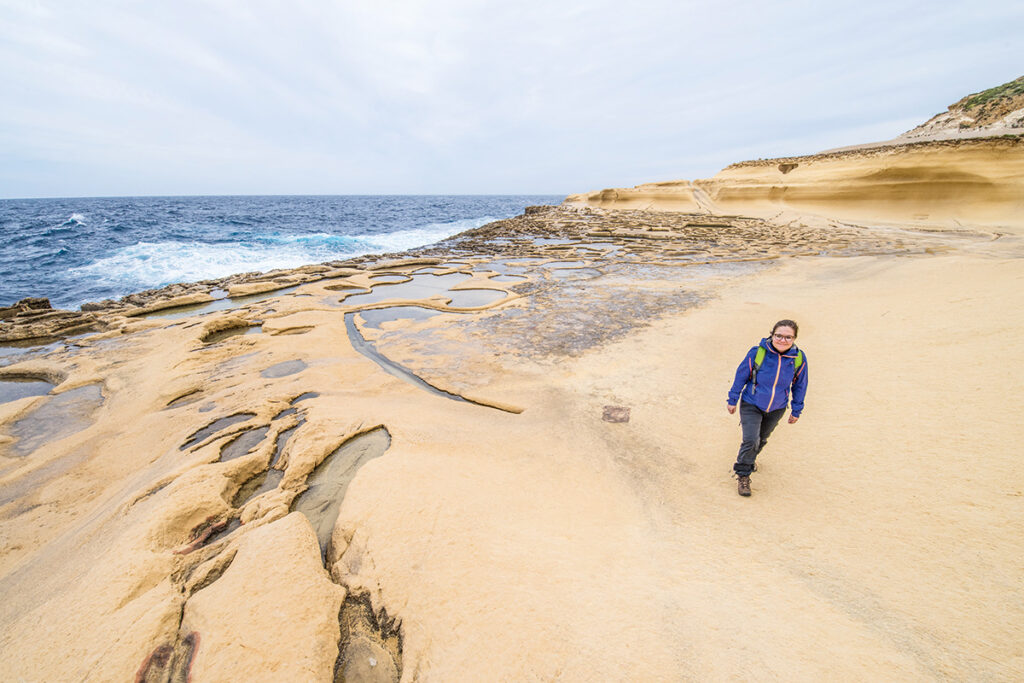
<point x="74" y="220"/>
<point x="153" y="264"/>
<point x="435" y="232"/>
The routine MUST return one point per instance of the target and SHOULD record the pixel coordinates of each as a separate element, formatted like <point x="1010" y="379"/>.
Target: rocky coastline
<point x="506" y="456"/>
<point x="700" y="237"/>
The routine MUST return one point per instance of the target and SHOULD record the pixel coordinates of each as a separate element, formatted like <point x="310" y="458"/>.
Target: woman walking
<point x="763" y="381"/>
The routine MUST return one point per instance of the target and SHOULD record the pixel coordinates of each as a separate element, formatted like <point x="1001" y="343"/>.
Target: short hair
<point x="787" y="323"/>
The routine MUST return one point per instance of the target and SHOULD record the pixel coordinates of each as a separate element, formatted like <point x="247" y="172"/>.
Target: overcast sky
<point x="464" y="96"/>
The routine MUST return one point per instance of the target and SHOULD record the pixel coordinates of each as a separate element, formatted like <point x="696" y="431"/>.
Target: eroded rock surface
<point x="944" y="184"/>
<point x="255" y="498"/>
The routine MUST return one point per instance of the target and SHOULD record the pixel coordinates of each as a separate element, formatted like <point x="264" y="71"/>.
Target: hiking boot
<point x="743" y="487"/>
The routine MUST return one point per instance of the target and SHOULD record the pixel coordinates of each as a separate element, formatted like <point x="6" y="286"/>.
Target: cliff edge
<point x="950" y="172"/>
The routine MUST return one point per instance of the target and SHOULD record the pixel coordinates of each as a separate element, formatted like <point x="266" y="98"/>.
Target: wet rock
<point x="58" y="417"/>
<point x="200" y="576"/>
<point x="185" y="399"/>
<point x="282" y="441"/>
<point x="45" y="324"/>
<point x="243" y="443"/>
<point x="259" y="287"/>
<point x="89" y="306"/>
<point x="23" y="306"/>
<point x="328" y="483"/>
<point x="202" y="533"/>
<point x="218" y="333"/>
<point x="398" y="370"/>
<point x="170" y="662"/>
<point x="285" y="413"/>
<point x="370" y="649"/>
<point x="263" y="482"/>
<point x="283" y="369"/>
<point x="212" y="428"/>
<point x="404" y="263"/>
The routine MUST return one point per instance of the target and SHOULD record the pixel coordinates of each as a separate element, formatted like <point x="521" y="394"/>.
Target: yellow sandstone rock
<point x="966" y="184"/>
<point x="302" y="486"/>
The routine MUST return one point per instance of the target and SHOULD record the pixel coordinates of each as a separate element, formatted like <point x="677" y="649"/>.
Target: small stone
<point x="615" y="414"/>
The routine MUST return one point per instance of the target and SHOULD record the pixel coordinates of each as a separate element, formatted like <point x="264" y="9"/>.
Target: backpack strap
<point x="796" y="365"/>
<point x="758" y="359"/>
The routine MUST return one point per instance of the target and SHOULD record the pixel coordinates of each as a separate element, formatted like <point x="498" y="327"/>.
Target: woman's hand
<point x="793" y="419"/>
<point x="731" y="409"/>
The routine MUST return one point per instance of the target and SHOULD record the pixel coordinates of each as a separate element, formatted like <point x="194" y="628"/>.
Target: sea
<point x="88" y="249"/>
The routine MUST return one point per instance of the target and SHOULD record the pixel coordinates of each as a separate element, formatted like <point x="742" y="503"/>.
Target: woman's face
<point x="782" y="337"/>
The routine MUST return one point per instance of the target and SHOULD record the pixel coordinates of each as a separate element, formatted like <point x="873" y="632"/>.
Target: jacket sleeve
<point x="800" y="389"/>
<point x="746" y="366"/>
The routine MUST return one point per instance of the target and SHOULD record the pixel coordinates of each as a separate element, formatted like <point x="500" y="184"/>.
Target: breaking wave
<point x="147" y="265"/>
<point x="87" y="249"/>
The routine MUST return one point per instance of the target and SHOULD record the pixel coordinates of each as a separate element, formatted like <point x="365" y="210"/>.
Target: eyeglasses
<point x="784" y="337"/>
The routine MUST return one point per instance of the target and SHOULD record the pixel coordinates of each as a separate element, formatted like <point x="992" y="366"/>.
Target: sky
<point x="214" y="97"/>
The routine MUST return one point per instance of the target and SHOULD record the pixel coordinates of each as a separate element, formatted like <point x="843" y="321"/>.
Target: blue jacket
<point x="774" y="380"/>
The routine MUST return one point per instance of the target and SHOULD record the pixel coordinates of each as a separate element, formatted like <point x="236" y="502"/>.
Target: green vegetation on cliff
<point x="1006" y="90"/>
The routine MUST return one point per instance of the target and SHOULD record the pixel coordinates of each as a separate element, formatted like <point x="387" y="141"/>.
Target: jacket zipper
<point x="778" y="368"/>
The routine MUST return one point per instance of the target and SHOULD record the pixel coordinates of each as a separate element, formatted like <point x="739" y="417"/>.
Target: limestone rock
<point x="272" y="615"/>
<point x="24" y="306"/>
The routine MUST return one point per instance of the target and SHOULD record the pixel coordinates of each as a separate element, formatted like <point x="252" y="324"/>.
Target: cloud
<point x="463" y="95"/>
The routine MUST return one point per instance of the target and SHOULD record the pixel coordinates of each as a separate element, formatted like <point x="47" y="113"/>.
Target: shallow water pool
<point x="14" y="389"/>
<point x="60" y="416"/>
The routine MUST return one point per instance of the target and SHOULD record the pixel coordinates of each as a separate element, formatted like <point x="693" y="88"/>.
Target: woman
<point x="763" y="380"/>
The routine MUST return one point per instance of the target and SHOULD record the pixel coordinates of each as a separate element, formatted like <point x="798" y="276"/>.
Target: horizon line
<point x="379" y="194"/>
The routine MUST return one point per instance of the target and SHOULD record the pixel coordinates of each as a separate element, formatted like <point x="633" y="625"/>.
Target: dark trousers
<point x="757" y="427"/>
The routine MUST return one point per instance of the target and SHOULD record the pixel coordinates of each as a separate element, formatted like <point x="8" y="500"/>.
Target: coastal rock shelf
<point x="379" y="469"/>
<point x="368" y="349"/>
<point x="944" y="184"/>
<point x="552" y="233"/>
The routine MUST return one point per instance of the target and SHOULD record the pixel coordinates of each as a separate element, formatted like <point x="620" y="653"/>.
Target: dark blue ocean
<point x="77" y="250"/>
